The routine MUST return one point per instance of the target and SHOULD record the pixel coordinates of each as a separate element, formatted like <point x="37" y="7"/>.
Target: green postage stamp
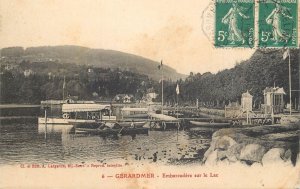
<point x="278" y="23"/>
<point x="234" y="23"/>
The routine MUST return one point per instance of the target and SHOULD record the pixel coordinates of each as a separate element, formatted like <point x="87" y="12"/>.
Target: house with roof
<point x="28" y="72"/>
<point x="124" y="98"/>
<point x="273" y="100"/>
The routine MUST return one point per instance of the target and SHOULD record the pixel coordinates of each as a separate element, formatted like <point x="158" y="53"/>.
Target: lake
<point x="27" y="143"/>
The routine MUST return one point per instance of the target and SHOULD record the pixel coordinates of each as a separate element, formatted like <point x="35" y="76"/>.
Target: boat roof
<point x="84" y="107"/>
<point x="162" y="117"/>
<point x="135" y="109"/>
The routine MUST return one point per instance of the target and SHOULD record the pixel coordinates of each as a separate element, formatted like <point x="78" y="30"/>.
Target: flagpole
<point x="177" y="93"/>
<point x="290" y="83"/>
<point x="64" y="85"/>
<point x="177" y="107"/>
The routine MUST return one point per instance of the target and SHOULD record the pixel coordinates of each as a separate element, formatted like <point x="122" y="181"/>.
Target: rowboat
<point x="96" y="131"/>
<point x="108" y="129"/>
<point x="209" y="124"/>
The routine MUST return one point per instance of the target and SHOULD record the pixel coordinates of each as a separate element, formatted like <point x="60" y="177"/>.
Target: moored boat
<point x="134" y="113"/>
<point x="290" y="120"/>
<point x="80" y="113"/>
<point x="209" y="124"/>
<point x="102" y="129"/>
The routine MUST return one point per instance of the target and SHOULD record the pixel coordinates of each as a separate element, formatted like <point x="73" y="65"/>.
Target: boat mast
<point x="64" y="86"/>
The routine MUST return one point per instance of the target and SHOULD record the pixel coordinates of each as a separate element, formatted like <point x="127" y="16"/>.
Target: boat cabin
<point x="87" y="111"/>
<point x="128" y="112"/>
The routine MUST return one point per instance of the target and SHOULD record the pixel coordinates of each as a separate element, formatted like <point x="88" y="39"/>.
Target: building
<point x="149" y="97"/>
<point x="246" y="101"/>
<point x="28" y="73"/>
<point x="124" y="98"/>
<point x="9" y="67"/>
<point x="273" y="100"/>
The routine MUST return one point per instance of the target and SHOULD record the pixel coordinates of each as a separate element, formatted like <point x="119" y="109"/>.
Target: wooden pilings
<point x="164" y="125"/>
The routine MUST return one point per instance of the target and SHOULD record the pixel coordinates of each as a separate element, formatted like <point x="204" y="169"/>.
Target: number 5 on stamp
<point x="234" y="23"/>
<point x="278" y="23"/>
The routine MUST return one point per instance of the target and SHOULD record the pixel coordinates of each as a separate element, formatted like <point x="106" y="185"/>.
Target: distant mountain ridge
<point x="93" y="57"/>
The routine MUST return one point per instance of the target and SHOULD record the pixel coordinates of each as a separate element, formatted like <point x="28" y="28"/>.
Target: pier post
<point x="45" y="122"/>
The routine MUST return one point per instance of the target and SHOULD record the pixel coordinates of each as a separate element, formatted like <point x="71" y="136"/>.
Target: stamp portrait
<point x="278" y="23"/>
<point x="234" y="23"/>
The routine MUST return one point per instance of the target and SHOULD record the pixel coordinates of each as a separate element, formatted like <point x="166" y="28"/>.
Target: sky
<point x="176" y="32"/>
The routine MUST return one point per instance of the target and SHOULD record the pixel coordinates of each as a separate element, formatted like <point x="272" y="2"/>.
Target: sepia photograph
<point x="149" y="94"/>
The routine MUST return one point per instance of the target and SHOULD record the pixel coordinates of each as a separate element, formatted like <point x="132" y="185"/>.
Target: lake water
<point x="27" y="143"/>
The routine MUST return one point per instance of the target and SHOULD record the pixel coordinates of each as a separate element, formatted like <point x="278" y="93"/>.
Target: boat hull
<point x="136" y="124"/>
<point x="108" y="131"/>
<point x="209" y="124"/>
<point x="290" y="120"/>
<point x="62" y="121"/>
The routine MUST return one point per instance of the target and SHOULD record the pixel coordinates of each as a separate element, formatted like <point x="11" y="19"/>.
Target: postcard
<point x="149" y="94"/>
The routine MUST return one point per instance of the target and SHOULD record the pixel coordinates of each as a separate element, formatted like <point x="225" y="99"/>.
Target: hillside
<point x="92" y="57"/>
<point x="265" y="68"/>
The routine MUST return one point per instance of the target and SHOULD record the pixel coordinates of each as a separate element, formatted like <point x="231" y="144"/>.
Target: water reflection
<point x="30" y="144"/>
<point x="55" y="128"/>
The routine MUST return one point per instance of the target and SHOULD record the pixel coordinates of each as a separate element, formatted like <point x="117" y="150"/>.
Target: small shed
<point x="246" y="101"/>
<point x="273" y="100"/>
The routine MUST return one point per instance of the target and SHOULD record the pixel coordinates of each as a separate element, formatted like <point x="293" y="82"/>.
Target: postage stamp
<point x="277" y="23"/>
<point x="234" y="23"/>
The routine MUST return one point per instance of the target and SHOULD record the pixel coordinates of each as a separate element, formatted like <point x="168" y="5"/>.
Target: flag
<point x="177" y="89"/>
<point x="64" y="84"/>
<point x="286" y="54"/>
<point x="160" y="66"/>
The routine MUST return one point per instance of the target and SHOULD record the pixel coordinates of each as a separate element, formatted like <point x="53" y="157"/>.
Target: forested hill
<point x="264" y="69"/>
<point x="93" y="57"/>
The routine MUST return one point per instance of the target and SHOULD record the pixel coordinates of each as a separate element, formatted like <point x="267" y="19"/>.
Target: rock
<point x="277" y="155"/>
<point x="212" y="158"/>
<point x="220" y="144"/>
<point x="274" y="155"/>
<point x="252" y="153"/>
<point x="217" y="157"/>
<point x="233" y="153"/>
<point x="221" y="155"/>
<point x="224" y="143"/>
<point x="224" y="162"/>
<point x="287" y="155"/>
<point x="256" y="165"/>
<point x="223" y="132"/>
<point x="209" y="150"/>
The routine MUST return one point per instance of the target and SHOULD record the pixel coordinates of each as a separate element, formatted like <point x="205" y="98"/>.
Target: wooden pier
<point x="161" y="121"/>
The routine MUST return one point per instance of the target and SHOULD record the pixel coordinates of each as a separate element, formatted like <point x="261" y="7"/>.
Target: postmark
<point x="277" y="23"/>
<point x="234" y="23"/>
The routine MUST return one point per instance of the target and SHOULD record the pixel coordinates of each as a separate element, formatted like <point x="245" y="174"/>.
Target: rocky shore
<point x="254" y="145"/>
